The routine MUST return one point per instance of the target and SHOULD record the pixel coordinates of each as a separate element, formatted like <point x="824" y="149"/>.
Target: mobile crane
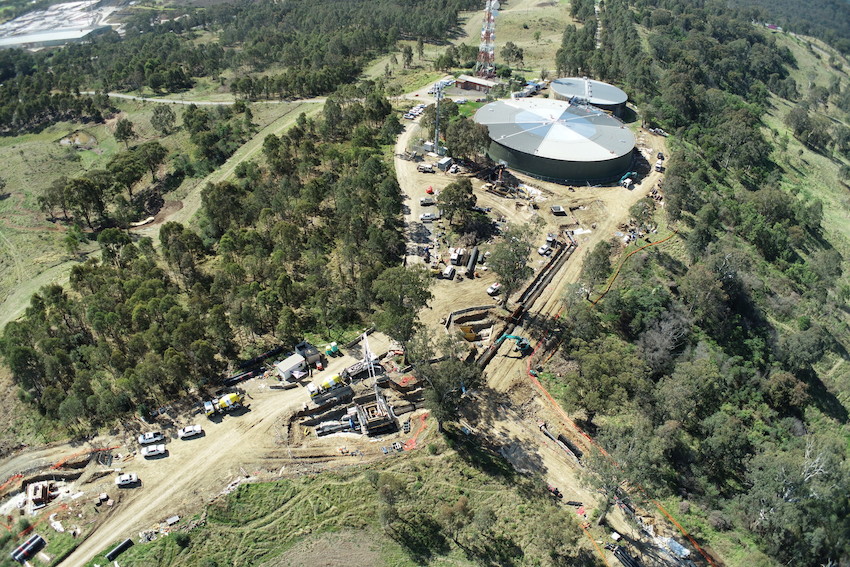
<point x="522" y="344"/>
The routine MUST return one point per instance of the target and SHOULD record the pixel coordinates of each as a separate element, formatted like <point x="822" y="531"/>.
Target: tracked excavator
<point x="522" y="344"/>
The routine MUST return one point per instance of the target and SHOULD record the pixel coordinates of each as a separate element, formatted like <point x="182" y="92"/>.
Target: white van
<point x="449" y="273"/>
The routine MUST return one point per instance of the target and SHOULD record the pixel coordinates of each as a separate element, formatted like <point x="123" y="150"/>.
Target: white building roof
<point x="477" y="81"/>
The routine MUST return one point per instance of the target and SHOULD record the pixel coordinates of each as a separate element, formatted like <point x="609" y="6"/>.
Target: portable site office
<point x="295" y="366"/>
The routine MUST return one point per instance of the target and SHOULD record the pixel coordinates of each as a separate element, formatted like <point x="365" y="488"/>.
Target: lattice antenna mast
<point x="486" y="64"/>
<point x="369" y="358"/>
<point x="438" y="96"/>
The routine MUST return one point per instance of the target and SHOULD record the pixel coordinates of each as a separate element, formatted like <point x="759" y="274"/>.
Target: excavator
<point x="522" y="344"/>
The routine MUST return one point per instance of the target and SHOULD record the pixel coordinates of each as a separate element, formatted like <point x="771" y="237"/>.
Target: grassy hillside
<point x="440" y="506"/>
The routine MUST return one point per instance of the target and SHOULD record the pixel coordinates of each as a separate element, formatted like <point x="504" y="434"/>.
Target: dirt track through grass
<point x="18" y="297"/>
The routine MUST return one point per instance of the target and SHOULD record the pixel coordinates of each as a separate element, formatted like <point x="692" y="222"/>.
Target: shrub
<point x="182" y="539"/>
<point x="718" y="521"/>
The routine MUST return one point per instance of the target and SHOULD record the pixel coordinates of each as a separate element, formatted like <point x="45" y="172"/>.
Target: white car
<point x="189" y="431"/>
<point x="127" y="479"/>
<point x="150" y="437"/>
<point x="494" y="289"/>
<point x="427" y="217"/>
<point x="427" y="201"/>
<point x="153" y="450"/>
<point x="544" y="250"/>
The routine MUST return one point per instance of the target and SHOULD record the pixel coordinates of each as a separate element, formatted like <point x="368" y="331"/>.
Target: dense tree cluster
<point x="705" y="365"/>
<point x="320" y="45"/>
<point x="300" y="244"/>
<point x="826" y="19"/>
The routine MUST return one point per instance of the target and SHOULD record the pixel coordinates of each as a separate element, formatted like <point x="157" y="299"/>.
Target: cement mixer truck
<point x="223" y="404"/>
<point x="325" y="385"/>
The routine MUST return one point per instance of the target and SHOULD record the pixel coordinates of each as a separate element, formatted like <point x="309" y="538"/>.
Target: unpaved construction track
<point x="197" y="470"/>
<point x="259" y="443"/>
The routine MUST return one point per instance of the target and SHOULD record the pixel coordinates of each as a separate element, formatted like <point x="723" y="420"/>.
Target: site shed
<point x="295" y="365"/>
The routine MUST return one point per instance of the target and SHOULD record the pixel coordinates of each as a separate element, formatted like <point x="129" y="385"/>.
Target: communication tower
<point x="486" y="64"/>
<point x="438" y="96"/>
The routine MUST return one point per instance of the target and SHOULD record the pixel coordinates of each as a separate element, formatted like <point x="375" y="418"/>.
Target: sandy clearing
<point x="196" y="470"/>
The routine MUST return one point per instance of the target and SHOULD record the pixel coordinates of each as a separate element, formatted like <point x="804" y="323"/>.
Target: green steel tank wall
<point x="563" y="171"/>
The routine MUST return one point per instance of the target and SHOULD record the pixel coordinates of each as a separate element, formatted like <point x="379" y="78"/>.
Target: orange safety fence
<point x="11" y="480"/>
<point x="410" y="444"/>
<point x="596" y="545"/>
<point x="40" y="519"/>
<point x="560" y="411"/>
<point x="61" y="463"/>
<point x="629" y="255"/>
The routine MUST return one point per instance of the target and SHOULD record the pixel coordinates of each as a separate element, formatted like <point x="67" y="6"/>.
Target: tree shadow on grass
<point x="422" y="538"/>
<point x="825" y="400"/>
<point x="495" y="550"/>
<point x="484" y="458"/>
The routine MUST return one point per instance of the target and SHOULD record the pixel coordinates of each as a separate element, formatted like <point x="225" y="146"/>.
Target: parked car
<point x="427" y="217"/>
<point x="427" y="201"/>
<point x="126" y="479"/>
<point x="397" y="446"/>
<point x="189" y="431"/>
<point x="544" y="250"/>
<point x="150" y="437"/>
<point x="494" y="289"/>
<point x="153" y="450"/>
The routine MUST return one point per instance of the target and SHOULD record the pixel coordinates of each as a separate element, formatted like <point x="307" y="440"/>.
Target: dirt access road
<point x="252" y="444"/>
<point x="511" y="421"/>
<point x="319" y="100"/>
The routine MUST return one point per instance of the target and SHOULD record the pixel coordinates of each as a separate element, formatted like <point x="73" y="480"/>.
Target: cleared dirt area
<point x="251" y="445"/>
<point x="511" y="421"/>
